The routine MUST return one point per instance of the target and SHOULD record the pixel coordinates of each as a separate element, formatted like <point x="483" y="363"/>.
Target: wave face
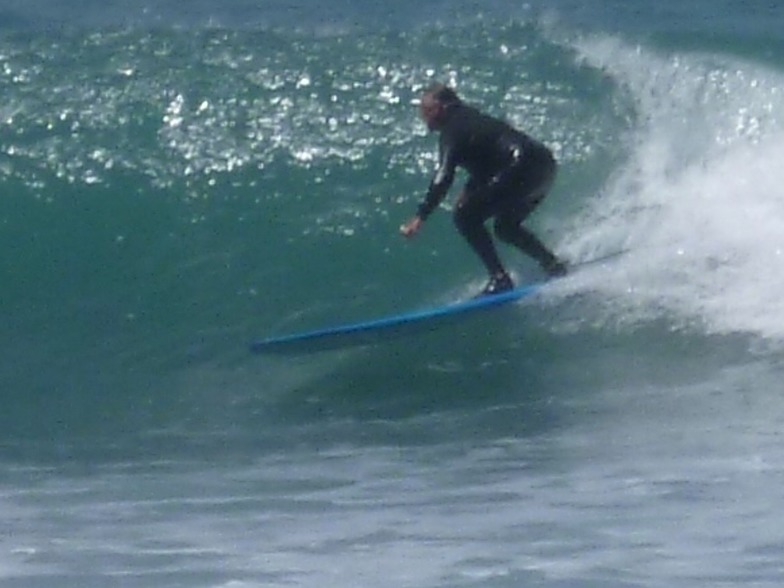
<point x="171" y="195"/>
<point x="174" y="185"/>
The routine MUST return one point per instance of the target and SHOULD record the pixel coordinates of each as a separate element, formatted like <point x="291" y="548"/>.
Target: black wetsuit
<point x="509" y="174"/>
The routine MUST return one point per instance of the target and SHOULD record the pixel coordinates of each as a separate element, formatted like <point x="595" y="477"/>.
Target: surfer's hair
<point x="443" y="94"/>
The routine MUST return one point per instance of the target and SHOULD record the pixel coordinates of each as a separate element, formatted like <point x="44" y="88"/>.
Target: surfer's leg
<point x="472" y="210"/>
<point x="515" y="234"/>
<point x="517" y="205"/>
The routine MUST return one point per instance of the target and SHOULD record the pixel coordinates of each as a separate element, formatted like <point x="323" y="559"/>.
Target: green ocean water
<point x="174" y="187"/>
<point x="163" y="210"/>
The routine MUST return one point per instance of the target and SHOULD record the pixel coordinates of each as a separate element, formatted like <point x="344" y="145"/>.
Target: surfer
<point x="509" y="175"/>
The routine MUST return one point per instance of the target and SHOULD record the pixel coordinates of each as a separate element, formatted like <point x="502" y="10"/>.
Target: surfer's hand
<point x="411" y="228"/>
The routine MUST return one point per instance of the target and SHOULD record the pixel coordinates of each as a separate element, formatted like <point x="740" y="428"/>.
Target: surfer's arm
<point x="439" y="186"/>
<point x="435" y="195"/>
<point x="441" y="182"/>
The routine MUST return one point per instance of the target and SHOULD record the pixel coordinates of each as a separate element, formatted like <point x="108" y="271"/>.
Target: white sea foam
<point x="698" y="201"/>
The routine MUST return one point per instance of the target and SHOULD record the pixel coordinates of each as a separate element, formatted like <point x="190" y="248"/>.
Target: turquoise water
<point x="175" y="183"/>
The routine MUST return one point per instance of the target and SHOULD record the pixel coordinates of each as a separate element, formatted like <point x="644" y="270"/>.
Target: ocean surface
<point x="178" y="179"/>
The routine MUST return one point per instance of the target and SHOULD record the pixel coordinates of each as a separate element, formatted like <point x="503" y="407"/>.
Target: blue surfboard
<point x="384" y="328"/>
<point x="372" y="331"/>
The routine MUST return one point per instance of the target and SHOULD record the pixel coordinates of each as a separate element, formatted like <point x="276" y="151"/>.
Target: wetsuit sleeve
<point x="441" y="182"/>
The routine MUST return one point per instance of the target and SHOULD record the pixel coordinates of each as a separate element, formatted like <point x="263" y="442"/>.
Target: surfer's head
<point x="435" y="102"/>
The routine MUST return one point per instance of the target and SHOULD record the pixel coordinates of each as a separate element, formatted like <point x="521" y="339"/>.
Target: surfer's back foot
<point x="555" y="268"/>
<point x="498" y="283"/>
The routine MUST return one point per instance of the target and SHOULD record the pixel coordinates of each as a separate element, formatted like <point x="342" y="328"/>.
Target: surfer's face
<point x="430" y="110"/>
